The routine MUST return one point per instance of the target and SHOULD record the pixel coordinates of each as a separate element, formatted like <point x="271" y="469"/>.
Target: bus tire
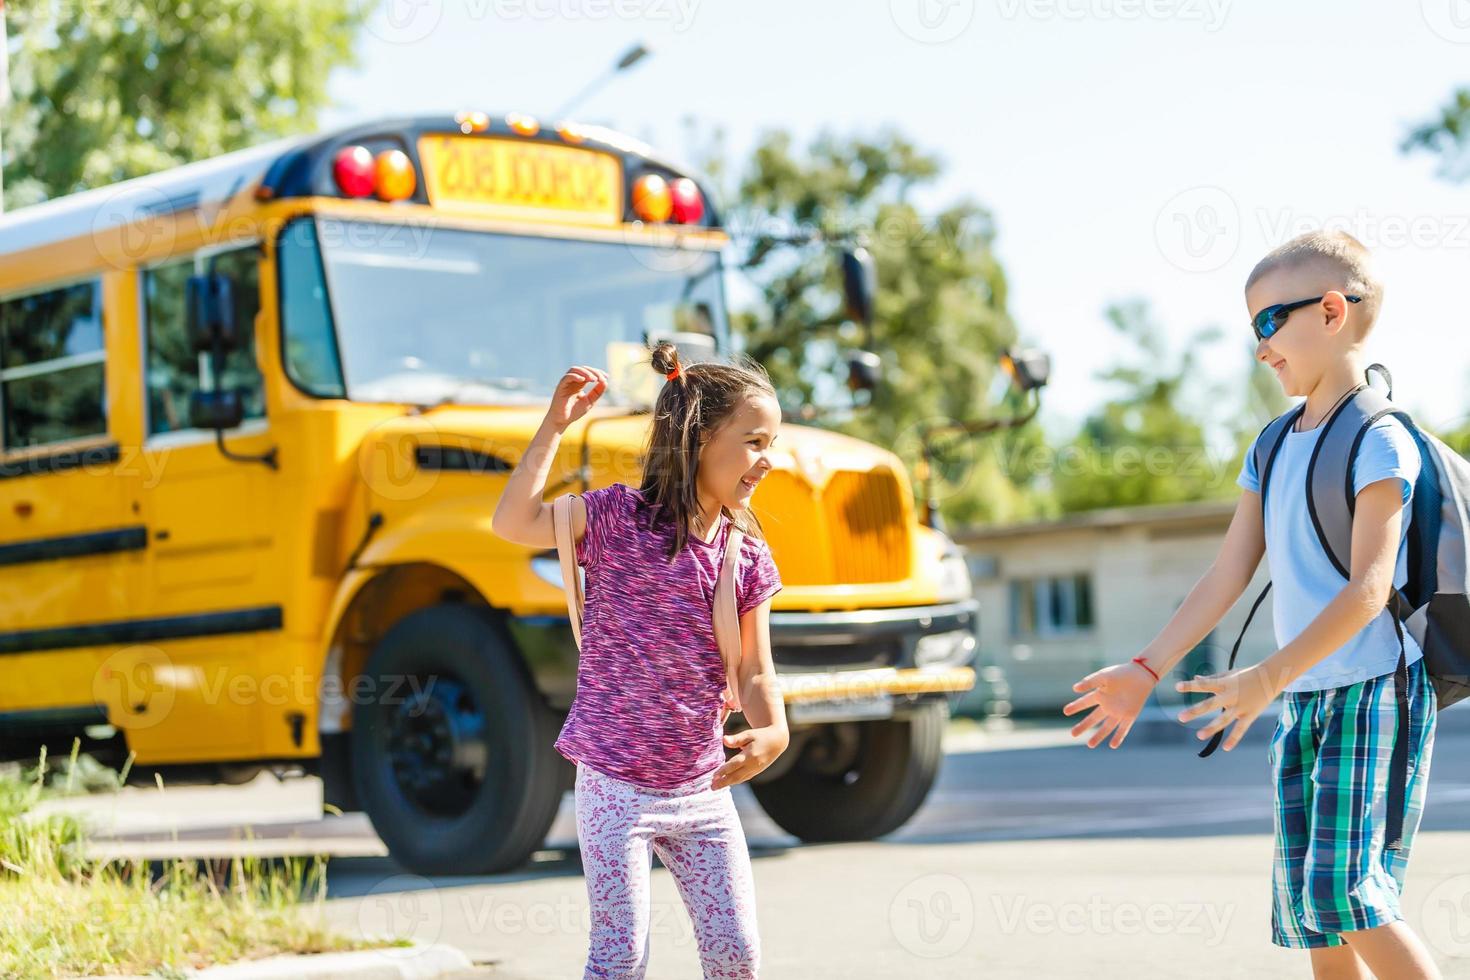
<point x="858" y="780"/>
<point x="452" y="754"/>
<point x="335" y="770"/>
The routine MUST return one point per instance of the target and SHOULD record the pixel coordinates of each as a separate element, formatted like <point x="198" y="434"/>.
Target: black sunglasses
<point x="1273" y="318"/>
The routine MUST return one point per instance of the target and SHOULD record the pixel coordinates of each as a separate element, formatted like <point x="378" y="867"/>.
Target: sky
<point x="1128" y="149"/>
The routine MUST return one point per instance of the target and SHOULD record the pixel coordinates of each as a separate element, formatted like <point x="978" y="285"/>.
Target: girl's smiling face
<point x="734" y="460"/>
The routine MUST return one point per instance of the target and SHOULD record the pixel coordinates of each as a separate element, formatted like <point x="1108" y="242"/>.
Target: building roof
<point x="1203" y="515"/>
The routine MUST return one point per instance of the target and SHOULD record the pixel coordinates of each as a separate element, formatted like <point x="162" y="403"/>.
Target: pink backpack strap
<point x="566" y="550"/>
<point x="727" y="617"/>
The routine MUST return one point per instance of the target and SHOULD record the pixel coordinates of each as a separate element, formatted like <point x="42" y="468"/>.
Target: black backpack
<point x="1433" y="605"/>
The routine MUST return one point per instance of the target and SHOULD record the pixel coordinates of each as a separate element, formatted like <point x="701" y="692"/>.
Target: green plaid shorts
<point x="1330" y="758"/>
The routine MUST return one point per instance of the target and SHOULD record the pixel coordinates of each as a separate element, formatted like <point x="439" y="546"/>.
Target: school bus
<point x="257" y="411"/>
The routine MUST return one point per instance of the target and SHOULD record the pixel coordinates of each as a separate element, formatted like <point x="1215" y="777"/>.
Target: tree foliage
<point x="940" y="315"/>
<point x="107" y="91"/>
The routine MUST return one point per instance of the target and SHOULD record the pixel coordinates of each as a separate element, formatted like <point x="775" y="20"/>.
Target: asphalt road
<point x="1033" y="858"/>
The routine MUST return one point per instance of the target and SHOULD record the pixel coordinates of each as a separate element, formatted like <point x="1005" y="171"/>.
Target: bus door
<point x="210" y="520"/>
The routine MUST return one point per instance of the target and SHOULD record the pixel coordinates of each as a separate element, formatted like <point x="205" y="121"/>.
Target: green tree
<point x="107" y="91"/>
<point x="1148" y="444"/>
<point x="941" y="315"/>
<point x="1447" y="136"/>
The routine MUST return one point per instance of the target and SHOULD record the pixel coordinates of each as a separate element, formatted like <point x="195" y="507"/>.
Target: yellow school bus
<point x="257" y="411"/>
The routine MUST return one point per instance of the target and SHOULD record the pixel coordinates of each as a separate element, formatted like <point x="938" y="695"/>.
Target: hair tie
<point x="673" y="374"/>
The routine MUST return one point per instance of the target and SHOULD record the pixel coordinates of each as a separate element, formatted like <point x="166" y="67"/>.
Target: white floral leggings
<point x="697" y="834"/>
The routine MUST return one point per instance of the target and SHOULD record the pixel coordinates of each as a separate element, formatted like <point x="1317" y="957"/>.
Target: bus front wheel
<point x="451" y="746"/>
<point x="858" y="780"/>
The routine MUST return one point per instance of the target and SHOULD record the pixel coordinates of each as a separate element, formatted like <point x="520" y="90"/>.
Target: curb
<point x="419" y="962"/>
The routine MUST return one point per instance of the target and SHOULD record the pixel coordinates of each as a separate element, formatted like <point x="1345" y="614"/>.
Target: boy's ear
<point x="1334" y="306"/>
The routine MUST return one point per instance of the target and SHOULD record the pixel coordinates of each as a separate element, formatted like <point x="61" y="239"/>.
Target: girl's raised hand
<point x="1116" y="695"/>
<point x="569" y="402"/>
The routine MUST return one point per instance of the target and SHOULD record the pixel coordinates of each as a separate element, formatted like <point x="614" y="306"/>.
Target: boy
<point x="1336" y="887"/>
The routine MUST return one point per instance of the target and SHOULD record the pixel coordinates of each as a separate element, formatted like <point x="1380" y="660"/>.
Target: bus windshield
<point x="394" y="313"/>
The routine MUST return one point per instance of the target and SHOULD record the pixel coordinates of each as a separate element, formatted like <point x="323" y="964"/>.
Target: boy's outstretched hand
<point x="1239" y="695"/>
<point x="1116" y="695"/>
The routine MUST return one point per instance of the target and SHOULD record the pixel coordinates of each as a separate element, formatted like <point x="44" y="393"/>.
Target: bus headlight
<point x="954" y="576"/>
<point x="548" y="569"/>
<point x="952" y="648"/>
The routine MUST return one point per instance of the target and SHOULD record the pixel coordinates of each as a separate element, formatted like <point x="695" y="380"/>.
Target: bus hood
<point x="835" y="509"/>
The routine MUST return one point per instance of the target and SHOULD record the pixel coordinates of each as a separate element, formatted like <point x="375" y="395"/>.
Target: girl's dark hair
<point x="691" y="406"/>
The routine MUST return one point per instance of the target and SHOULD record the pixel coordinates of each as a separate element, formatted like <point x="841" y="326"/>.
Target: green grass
<point x="62" y="914"/>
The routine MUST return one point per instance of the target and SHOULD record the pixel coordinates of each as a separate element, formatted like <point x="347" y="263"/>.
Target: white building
<point x="1061" y="598"/>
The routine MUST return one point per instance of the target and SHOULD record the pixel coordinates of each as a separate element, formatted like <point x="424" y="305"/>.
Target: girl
<point x="644" y="729"/>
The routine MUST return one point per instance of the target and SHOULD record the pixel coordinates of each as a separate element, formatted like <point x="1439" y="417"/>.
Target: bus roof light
<point x="651" y="198"/>
<point x="353" y="169"/>
<point x="522" y="124"/>
<point x="393" y="174"/>
<point x="687" y="204"/>
<point x="471" y="121"/>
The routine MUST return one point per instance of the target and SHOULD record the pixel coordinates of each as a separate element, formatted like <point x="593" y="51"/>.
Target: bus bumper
<point x="870" y="664"/>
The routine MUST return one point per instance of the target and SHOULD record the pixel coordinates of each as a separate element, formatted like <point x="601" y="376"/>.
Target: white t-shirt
<point x="1302" y="576"/>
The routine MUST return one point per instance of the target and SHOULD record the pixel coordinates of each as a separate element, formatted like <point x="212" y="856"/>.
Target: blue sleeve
<point x="1387" y="451"/>
<point x="605" y="509"/>
<point x="1248" y="479"/>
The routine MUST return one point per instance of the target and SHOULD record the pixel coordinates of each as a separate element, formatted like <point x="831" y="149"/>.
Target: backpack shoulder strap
<point x="566" y="551"/>
<point x="1330" y="498"/>
<point x="727" y="616"/>
<point x="1268" y="444"/>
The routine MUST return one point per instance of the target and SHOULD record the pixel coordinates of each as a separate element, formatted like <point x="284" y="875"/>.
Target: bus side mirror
<point x="222" y="409"/>
<point x="859" y="284"/>
<point x="864" y="369"/>
<point x="210" y="313"/>
<point x="1029" y="370"/>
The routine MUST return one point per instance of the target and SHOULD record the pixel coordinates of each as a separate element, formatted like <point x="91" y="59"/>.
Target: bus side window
<point x="52" y="366"/>
<point x="174" y="371"/>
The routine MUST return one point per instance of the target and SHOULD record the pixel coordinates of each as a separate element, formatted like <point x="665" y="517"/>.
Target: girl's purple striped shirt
<point x="649" y="679"/>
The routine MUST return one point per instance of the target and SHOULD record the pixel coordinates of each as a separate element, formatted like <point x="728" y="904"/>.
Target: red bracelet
<point x="1144" y="664"/>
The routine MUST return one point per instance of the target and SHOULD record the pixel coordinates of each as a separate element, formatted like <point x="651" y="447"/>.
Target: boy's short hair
<point x="1336" y="250"/>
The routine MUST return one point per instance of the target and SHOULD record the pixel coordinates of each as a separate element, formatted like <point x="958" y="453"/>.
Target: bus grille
<point x="850" y="531"/>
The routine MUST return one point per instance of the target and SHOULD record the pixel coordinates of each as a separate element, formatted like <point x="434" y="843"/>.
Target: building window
<point x="175" y="372"/>
<point x="1051" y="605"/>
<point x="52" y="369"/>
